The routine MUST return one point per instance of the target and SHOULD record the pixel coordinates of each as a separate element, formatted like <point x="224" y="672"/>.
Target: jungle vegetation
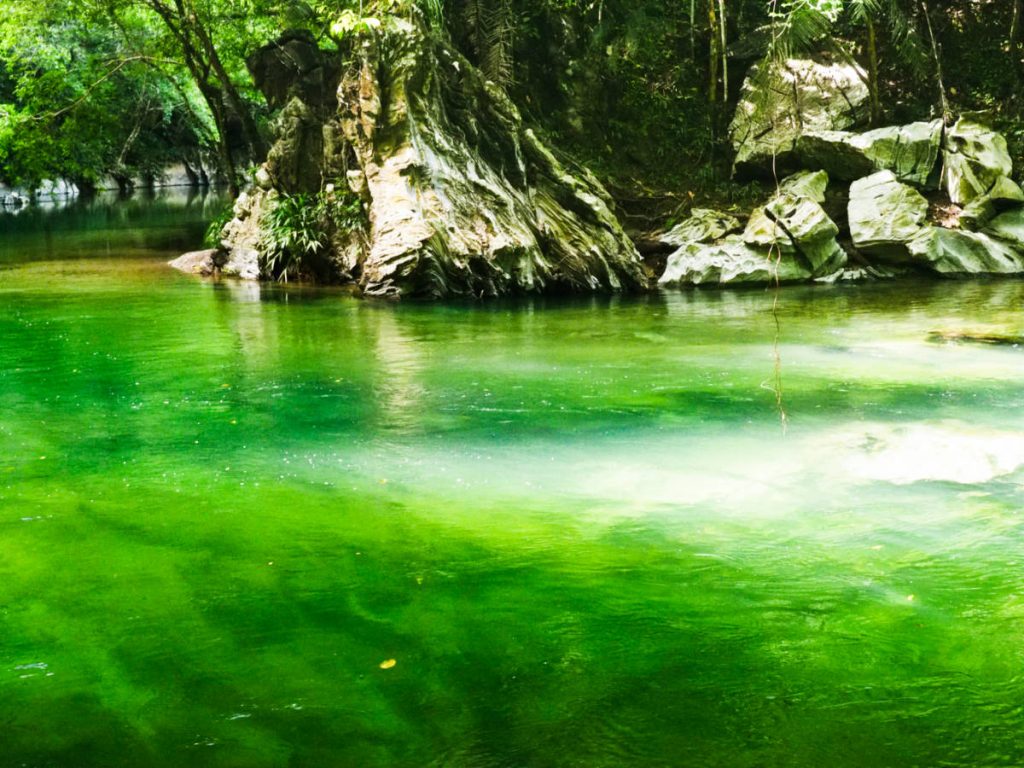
<point x="642" y="90"/>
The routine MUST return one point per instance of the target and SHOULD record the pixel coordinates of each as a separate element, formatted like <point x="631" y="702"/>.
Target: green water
<point x="577" y="527"/>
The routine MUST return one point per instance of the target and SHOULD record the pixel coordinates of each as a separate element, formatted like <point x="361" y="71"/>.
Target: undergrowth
<point x="297" y="231"/>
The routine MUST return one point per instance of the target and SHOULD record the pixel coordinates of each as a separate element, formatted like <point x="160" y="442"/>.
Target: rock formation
<point x="460" y="197"/>
<point x="779" y="104"/>
<point x="791" y="237"/>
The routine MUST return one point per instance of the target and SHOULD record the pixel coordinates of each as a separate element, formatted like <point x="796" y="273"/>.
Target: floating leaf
<point x="388" y="663"/>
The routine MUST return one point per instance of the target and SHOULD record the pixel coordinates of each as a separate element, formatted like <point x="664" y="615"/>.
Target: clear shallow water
<point x="577" y="527"/>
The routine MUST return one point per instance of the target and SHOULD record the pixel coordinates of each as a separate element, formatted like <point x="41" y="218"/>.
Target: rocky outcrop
<point x="955" y="252"/>
<point x="1004" y="195"/>
<point x="1008" y="227"/>
<point x="242" y="235"/>
<point x="884" y="215"/>
<point x="974" y="159"/>
<point x="461" y="198"/>
<point x="205" y="262"/>
<point x="791" y="98"/>
<point x="794" y="223"/>
<point x="704" y="225"/>
<point x="910" y="151"/>
<point x="788" y="239"/>
<point x="729" y="262"/>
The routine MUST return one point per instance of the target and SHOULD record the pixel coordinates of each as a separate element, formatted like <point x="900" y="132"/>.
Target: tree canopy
<point x="95" y="89"/>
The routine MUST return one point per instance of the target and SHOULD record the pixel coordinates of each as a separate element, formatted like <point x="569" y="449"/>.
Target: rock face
<point x="460" y="197"/>
<point x="884" y="215"/>
<point x="975" y="157"/>
<point x="909" y="151"/>
<point x="792" y="98"/>
<point x="240" y="237"/>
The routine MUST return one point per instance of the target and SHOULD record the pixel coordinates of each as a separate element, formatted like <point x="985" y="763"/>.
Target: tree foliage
<point x="99" y="88"/>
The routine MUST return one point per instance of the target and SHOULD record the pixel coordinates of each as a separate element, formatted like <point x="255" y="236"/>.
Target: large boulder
<point x="884" y="215"/>
<point x="793" y="224"/>
<point x="811" y="231"/>
<point x="792" y="97"/>
<point x="1008" y="227"/>
<point x="955" y="252"/>
<point x="730" y="262"/>
<point x="205" y="262"/>
<point x="974" y="158"/>
<point x="909" y="151"/>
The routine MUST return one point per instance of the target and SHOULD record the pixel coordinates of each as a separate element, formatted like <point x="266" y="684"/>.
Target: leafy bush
<point x="296" y="232"/>
<point x="211" y="239"/>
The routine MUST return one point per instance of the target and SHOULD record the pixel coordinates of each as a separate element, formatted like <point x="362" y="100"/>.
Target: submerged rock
<point x="977" y="337"/>
<point x="885" y="215"/>
<point x="948" y="451"/>
<point x="974" y="158"/>
<point x="909" y="151"/>
<point x="791" y="98"/>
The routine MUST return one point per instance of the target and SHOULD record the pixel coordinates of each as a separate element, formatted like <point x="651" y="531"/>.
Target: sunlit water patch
<point x="257" y="526"/>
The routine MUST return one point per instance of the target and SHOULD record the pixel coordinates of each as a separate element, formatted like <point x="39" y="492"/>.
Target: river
<point x="254" y="525"/>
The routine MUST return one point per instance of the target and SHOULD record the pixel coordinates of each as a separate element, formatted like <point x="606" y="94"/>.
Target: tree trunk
<point x="249" y="128"/>
<point x="693" y="31"/>
<point x="725" y="62"/>
<point x="943" y="103"/>
<point x="876" y="109"/>
<point x="1014" y="37"/>
<point x="713" y="55"/>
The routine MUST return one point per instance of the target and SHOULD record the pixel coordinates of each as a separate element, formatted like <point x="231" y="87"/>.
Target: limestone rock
<point x="294" y="67"/>
<point x="955" y="252"/>
<point x="793" y="97"/>
<point x="1008" y="227"/>
<point x="730" y="262"/>
<point x="205" y="262"/>
<point x="793" y="224"/>
<point x="461" y="197"/>
<point x="1004" y="195"/>
<point x="241" y="236"/>
<point x="703" y="226"/>
<point x="884" y="215"/>
<point x="909" y="151"/>
<point x="974" y="157"/>
<point x="813" y="233"/>
<point x="809" y="184"/>
<point x="840" y="153"/>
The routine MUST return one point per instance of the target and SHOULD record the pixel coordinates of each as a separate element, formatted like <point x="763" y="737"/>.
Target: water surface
<point x="577" y="527"/>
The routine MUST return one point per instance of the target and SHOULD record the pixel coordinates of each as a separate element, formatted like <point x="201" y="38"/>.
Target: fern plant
<point x="296" y="232"/>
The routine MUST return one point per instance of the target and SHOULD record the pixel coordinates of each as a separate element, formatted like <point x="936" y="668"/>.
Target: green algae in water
<point x="577" y="527"/>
